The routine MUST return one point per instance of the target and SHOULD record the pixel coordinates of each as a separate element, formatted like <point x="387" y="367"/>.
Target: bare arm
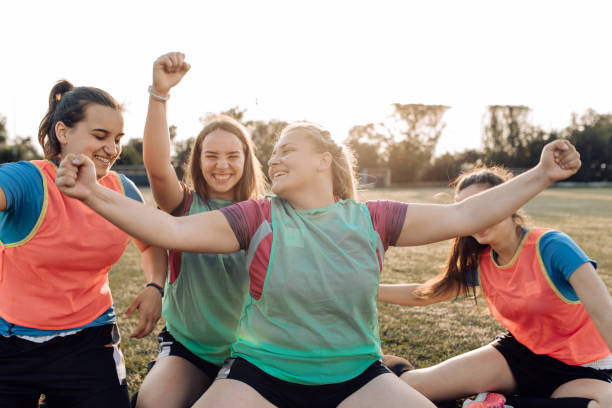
<point x="404" y="294"/>
<point x="167" y="72"/>
<point x="595" y="297"/>
<point x="204" y="232"/>
<point x="426" y="223"/>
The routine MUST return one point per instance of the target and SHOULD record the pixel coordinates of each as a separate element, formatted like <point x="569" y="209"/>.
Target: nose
<point x="112" y="148"/>
<point x="222" y="163"/>
<point x="273" y="160"/>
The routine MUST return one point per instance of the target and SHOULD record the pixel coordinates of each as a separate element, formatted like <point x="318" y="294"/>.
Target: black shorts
<point x="285" y="394"/>
<point x="85" y="369"/>
<point x="169" y="346"/>
<point x="539" y="375"/>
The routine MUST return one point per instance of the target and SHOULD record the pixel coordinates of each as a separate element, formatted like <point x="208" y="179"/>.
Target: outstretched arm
<point x="168" y="70"/>
<point x="427" y="223"/>
<point x="405" y="294"/>
<point x="595" y="297"/>
<point x="203" y="232"/>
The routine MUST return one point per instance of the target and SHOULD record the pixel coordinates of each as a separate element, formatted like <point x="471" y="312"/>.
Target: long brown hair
<point x="459" y="273"/>
<point x="343" y="159"/>
<point x="67" y="104"/>
<point x="252" y="184"/>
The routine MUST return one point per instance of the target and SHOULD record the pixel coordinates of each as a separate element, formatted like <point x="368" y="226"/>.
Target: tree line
<point x="405" y="143"/>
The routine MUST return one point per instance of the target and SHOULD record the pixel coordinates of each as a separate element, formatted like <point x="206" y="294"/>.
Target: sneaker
<point x="486" y="400"/>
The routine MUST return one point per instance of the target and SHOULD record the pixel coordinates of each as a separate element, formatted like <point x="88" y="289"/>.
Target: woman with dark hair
<point x="543" y="288"/>
<point x="308" y="334"/>
<point x="204" y="293"/>
<point x="57" y="318"/>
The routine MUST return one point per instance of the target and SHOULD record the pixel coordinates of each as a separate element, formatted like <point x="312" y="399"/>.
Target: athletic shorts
<point x="169" y="346"/>
<point x="85" y="369"/>
<point x="285" y="394"/>
<point x="539" y="375"/>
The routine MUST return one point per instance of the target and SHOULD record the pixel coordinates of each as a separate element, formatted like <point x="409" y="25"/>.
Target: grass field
<point x="424" y="335"/>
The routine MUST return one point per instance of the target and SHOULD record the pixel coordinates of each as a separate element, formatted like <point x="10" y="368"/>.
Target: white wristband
<point x="157" y="97"/>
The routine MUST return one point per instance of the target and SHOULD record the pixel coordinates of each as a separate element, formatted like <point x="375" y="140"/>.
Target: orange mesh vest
<point x="522" y="297"/>
<point x="57" y="277"/>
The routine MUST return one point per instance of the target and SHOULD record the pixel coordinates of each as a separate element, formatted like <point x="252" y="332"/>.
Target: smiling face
<point x="222" y="161"/>
<point x="293" y="164"/>
<point x="97" y="136"/>
<point x="495" y="233"/>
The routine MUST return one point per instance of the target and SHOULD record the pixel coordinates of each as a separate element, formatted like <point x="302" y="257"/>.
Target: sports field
<point x="424" y="335"/>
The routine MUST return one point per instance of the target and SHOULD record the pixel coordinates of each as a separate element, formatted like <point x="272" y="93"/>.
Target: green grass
<point x="424" y="335"/>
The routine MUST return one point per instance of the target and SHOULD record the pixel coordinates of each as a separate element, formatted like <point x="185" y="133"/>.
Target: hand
<point x="149" y="306"/>
<point x="168" y="70"/>
<point x="559" y="160"/>
<point x="76" y="176"/>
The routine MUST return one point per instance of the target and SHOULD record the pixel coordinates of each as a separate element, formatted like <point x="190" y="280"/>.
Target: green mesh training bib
<point x="203" y="305"/>
<point x="316" y="321"/>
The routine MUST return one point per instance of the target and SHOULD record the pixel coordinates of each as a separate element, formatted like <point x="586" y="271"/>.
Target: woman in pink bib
<point x="58" y="332"/>
<point x="541" y="287"/>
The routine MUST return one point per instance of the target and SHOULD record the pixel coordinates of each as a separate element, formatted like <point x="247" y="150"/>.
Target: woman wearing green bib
<point x="308" y="335"/>
<point x="204" y="293"/>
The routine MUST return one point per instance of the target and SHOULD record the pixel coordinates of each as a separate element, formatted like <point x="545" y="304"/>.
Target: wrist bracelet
<point x="156" y="96"/>
<point x="156" y="286"/>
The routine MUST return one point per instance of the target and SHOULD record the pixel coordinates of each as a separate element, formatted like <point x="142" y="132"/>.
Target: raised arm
<point x="405" y="294"/>
<point x="427" y="223"/>
<point x="168" y="70"/>
<point x="203" y="232"/>
<point x="595" y="297"/>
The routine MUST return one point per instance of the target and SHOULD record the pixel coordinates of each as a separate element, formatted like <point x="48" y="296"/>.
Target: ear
<point x="325" y="162"/>
<point x="60" y="132"/>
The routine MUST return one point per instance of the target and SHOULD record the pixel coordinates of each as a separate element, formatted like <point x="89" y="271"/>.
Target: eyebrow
<point x="216" y="152"/>
<point x="106" y="132"/>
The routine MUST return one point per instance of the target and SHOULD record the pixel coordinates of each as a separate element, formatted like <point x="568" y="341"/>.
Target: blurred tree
<point x="506" y="130"/>
<point x="416" y="129"/>
<point x="131" y="153"/>
<point x="369" y="143"/>
<point x="591" y="133"/>
<point x="2" y="130"/>
<point x="264" y="136"/>
<point x="23" y="149"/>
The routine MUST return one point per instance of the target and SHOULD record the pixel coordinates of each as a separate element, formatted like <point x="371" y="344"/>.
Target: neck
<point x="507" y="247"/>
<point x="314" y="195"/>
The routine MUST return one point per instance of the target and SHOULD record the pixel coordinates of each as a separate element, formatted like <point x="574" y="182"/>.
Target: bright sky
<point x="338" y="63"/>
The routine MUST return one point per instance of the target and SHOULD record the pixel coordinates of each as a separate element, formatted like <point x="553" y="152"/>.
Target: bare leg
<point x="599" y="391"/>
<point x="483" y="369"/>
<point x="227" y="393"/>
<point x="387" y="391"/>
<point x="173" y="382"/>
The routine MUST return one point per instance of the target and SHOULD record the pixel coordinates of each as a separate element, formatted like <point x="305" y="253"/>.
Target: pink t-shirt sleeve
<point x="245" y="218"/>
<point x="388" y="219"/>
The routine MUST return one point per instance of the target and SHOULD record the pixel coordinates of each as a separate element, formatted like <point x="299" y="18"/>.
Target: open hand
<point x="149" y="306"/>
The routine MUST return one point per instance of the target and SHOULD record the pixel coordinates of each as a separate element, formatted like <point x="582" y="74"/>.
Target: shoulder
<point x="129" y="188"/>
